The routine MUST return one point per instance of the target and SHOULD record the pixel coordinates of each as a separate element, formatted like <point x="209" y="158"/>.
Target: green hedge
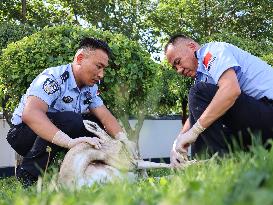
<point x="128" y="80"/>
<point x="11" y="32"/>
<point x="268" y="58"/>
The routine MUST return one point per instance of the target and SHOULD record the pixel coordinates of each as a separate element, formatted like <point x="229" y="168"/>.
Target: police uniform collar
<point x="72" y="82"/>
<point x="198" y="53"/>
<point x="195" y="54"/>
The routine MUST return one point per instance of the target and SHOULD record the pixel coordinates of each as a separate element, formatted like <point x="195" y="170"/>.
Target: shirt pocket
<point x="61" y="106"/>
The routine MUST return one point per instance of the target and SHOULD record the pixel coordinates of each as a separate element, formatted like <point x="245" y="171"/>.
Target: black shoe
<point x="25" y="177"/>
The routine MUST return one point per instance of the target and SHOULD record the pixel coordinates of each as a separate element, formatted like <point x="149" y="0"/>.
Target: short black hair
<point x="173" y="39"/>
<point x="94" y="43"/>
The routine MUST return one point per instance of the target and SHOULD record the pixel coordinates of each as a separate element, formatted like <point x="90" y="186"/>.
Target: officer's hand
<point x="63" y="140"/>
<point x="130" y="145"/>
<point x="177" y="159"/>
<point x="183" y="140"/>
<point x="94" y="141"/>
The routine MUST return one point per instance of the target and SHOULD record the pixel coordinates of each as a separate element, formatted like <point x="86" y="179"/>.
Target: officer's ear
<point x="79" y="58"/>
<point x="192" y="45"/>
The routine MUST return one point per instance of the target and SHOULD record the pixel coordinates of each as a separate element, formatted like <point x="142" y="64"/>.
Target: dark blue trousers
<point x="246" y="118"/>
<point x="33" y="148"/>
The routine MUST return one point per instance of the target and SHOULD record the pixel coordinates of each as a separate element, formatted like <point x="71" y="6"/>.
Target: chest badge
<point x="67" y="99"/>
<point x="64" y="76"/>
<point x="88" y="99"/>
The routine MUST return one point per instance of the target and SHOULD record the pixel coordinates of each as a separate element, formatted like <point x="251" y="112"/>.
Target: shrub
<point x="268" y="58"/>
<point x="10" y="32"/>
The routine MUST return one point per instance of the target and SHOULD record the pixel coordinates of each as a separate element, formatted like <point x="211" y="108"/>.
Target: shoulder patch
<point x="64" y="76"/>
<point x="208" y="60"/>
<point x="50" y="86"/>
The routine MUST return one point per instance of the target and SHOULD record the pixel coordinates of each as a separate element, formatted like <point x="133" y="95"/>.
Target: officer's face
<point x="92" y="65"/>
<point x="181" y="57"/>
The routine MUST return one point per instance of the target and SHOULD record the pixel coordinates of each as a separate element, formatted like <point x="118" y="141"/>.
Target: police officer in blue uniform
<point x="233" y="91"/>
<point x="51" y="112"/>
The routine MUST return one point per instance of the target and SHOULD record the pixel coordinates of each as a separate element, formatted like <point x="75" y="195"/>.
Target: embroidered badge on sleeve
<point x="50" y="86"/>
<point x="208" y="60"/>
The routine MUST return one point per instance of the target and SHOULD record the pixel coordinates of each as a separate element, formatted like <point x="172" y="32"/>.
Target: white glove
<point x="176" y="158"/>
<point x="130" y="145"/>
<point x="183" y="140"/>
<point x="63" y="140"/>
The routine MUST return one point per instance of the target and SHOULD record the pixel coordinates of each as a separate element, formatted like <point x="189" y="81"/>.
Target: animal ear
<point x="95" y="129"/>
<point x="90" y="126"/>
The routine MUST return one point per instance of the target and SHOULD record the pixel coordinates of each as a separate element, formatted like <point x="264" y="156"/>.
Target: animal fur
<point x="85" y="165"/>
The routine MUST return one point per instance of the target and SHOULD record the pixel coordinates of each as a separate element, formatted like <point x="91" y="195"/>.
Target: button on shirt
<point x="57" y="87"/>
<point x="255" y="76"/>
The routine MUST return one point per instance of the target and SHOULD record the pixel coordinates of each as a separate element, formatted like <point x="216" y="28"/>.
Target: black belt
<point x="266" y="100"/>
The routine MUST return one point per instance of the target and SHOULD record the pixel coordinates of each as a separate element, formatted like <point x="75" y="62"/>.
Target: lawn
<point x="241" y="178"/>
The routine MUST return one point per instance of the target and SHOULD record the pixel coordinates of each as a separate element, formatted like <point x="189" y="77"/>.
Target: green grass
<point x="241" y="178"/>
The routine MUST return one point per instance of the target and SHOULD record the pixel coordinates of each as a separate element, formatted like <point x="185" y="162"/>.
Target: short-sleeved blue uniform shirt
<point x="57" y="87"/>
<point x="255" y="76"/>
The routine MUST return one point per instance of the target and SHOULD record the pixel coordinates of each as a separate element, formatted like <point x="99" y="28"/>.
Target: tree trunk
<point x="75" y="11"/>
<point x="24" y="10"/>
<point x="6" y="113"/>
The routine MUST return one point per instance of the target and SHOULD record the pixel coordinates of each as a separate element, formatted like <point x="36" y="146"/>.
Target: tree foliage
<point x="120" y="16"/>
<point x="199" y="19"/>
<point x="37" y="13"/>
<point x="11" y="32"/>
